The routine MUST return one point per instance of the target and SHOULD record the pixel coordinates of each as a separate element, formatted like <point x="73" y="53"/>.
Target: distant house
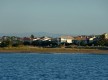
<point x="4" y="38"/>
<point x="15" y="39"/>
<point x="66" y="39"/>
<point x="80" y="39"/>
<point x="106" y="35"/>
<point x="27" y="40"/>
<point x="0" y="40"/>
<point x="35" y="39"/>
<point x="45" y="38"/>
<point x="91" y="39"/>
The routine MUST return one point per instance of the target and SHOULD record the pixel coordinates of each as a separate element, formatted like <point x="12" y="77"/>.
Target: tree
<point x="82" y="43"/>
<point x="16" y="43"/>
<point x="32" y="36"/>
<point x="4" y="44"/>
<point x="102" y="41"/>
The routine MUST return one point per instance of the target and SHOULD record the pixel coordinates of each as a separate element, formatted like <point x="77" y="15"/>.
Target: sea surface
<point x="54" y="66"/>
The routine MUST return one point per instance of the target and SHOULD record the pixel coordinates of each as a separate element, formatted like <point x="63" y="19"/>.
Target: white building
<point x="35" y="39"/>
<point x="45" y="38"/>
<point x="106" y="36"/>
<point x="1" y="40"/>
<point x="67" y="39"/>
<point x="91" y="39"/>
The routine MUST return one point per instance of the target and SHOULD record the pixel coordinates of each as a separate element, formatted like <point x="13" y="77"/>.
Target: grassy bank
<point x="51" y="50"/>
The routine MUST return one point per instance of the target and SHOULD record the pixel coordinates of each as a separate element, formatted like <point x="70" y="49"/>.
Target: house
<point x="0" y="40"/>
<point x="27" y="40"/>
<point x="44" y="38"/>
<point x="66" y="39"/>
<point x="91" y="39"/>
<point x="80" y="40"/>
<point x="35" y="39"/>
<point x="4" y="38"/>
<point x="16" y="40"/>
<point x="106" y="35"/>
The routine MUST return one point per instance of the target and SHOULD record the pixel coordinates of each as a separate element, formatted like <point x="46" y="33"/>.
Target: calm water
<point x="34" y="66"/>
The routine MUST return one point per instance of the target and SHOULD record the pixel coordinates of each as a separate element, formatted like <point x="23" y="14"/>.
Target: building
<point x="80" y="40"/>
<point x="91" y="39"/>
<point x="106" y="35"/>
<point x="66" y="39"/>
<point x="35" y="39"/>
<point x="45" y="38"/>
<point x="0" y="40"/>
<point x="27" y="40"/>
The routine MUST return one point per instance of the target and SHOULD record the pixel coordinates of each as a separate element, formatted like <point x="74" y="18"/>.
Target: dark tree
<point x="4" y="44"/>
<point x="32" y="36"/>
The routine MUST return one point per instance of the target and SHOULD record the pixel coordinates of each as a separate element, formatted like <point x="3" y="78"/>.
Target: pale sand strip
<point x="52" y="50"/>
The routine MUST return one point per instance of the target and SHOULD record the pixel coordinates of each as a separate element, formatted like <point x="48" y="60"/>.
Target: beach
<point x="50" y="50"/>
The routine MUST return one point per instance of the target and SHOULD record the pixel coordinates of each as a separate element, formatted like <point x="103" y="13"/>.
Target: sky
<point x="54" y="16"/>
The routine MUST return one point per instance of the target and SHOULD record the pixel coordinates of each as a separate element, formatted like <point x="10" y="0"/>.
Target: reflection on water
<point x="53" y="66"/>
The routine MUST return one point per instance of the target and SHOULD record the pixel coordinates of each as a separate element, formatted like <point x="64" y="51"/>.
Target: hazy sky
<point x="55" y="16"/>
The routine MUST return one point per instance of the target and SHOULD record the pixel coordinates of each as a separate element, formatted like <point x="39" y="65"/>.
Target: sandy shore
<point x="51" y="50"/>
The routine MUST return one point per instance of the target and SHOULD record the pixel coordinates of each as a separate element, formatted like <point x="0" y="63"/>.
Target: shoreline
<point x="51" y="50"/>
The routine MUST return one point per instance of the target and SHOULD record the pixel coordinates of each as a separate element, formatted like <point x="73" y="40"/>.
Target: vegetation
<point x="32" y="36"/>
<point x="16" y="42"/>
<point x="101" y="41"/>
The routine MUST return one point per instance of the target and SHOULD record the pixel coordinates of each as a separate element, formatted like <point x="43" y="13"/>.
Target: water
<point x="34" y="66"/>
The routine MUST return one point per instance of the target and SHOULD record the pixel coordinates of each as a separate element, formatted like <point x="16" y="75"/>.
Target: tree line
<point x="101" y="41"/>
